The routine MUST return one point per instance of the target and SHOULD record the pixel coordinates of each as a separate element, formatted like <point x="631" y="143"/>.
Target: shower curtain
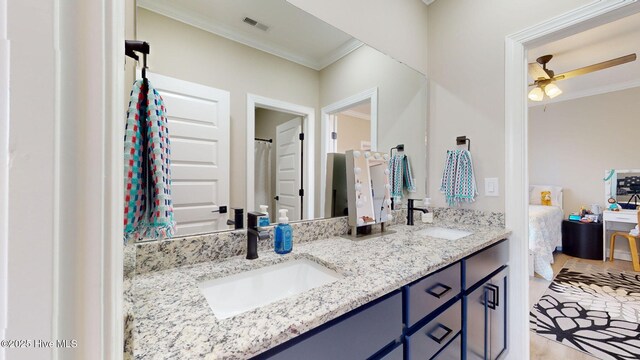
<point x="262" y="163"/>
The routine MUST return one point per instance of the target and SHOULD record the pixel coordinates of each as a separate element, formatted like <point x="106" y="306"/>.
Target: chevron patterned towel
<point x="458" y="181"/>
<point x="148" y="210"/>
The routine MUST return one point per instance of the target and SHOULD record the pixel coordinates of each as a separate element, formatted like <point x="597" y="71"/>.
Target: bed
<point x="545" y="229"/>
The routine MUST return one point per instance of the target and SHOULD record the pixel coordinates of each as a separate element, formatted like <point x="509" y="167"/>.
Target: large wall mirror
<point x="285" y="73"/>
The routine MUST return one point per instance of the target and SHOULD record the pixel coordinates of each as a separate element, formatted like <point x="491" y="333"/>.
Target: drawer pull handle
<point x="439" y="340"/>
<point x="445" y="289"/>
<point x="494" y="301"/>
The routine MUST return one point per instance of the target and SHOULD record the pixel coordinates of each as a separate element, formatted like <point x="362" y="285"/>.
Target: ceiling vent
<point x="250" y="21"/>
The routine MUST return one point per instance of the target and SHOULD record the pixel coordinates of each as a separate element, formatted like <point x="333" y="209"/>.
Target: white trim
<point x="366" y="95"/>
<point x="428" y="2"/>
<point x="308" y="127"/>
<point x="4" y="170"/>
<point x="589" y="92"/>
<point x="273" y="49"/>
<point x="516" y="145"/>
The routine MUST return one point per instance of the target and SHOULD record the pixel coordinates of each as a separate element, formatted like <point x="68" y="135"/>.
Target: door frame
<point x="4" y="174"/>
<point x="516" y="143"/>
<point x="338" y="106"/>
<point x="308" y="115"/>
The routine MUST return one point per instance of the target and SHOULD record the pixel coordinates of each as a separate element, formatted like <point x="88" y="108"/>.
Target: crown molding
<point x="203" y="24"/>
<point x="589" y="92"/>
<point x="428" y="2"/>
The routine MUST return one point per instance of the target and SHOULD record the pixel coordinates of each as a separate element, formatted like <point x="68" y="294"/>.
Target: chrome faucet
<point x="411" y="209"/>
<point x="254" y="234"/>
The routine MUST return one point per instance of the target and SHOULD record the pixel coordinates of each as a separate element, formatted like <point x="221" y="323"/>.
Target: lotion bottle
<point x="264" y="220"/>
<point x="283" y="234"/>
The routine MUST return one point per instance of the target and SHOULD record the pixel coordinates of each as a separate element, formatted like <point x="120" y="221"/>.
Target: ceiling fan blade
<point x="536" y="72"/>
<point x="595" y="67"/>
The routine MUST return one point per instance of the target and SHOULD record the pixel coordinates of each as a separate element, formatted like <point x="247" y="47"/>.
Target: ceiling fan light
<point x="536" y="94"/>
<point x="552" y="90"/>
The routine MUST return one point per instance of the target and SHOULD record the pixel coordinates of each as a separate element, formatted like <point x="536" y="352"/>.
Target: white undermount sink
<point x="235" y="294"/>
<point x="444" y="233"/>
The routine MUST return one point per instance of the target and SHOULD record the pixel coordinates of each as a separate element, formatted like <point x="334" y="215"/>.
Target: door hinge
<point x="301" y="192"/>
<point x="334" y="135"/>
<point x="301" y="136"/>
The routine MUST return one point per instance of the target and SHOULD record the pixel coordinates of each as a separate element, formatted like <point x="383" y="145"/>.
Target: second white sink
<point x="444" y="233"/>
<point x="235" y="294"/>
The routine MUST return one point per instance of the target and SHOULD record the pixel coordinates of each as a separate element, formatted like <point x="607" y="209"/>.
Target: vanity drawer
<point x="436" y="335"/>
<point x="395" y="354"/>
<point x="357" y="335"/>
<point x="483" y="263"/>
<point x="430" y="293"/>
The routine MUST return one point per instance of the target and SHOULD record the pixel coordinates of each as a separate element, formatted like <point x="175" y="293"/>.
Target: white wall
<point x="572" y="143"/>
<point x="352" y="131"/>
<point x="188" y="53"/>
<point x="397" y="28"/>
<point x="466" y="76"/>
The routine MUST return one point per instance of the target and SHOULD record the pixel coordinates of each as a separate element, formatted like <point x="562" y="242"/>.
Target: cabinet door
<point x="476" y="324"/>
<point x="497" y="307"/>
<point x="486" y="318"/>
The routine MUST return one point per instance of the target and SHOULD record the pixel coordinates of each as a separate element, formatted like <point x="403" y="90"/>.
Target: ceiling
<point x="293" y="34"/>
<point x="599" y="44"/>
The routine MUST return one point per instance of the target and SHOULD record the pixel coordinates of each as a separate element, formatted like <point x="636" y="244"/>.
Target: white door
<point x="288" y="176"/>
<point x="198" y="118"/>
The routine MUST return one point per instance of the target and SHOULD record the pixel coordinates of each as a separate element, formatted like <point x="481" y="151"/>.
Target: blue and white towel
<point x="400" y="175"/>
<point x="458" y="181"/>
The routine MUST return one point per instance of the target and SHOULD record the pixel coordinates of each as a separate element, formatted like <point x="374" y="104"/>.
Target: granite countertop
<point x="171" y="319"/>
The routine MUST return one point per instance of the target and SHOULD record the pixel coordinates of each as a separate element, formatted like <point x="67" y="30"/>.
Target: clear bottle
<point x="283" y="234"/>
<point x="264" y="220"/>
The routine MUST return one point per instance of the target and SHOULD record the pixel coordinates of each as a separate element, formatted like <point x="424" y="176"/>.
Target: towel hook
<point x="398" y="148"/>
<point x="133" y="46"/>
<point x="463" y="140"/>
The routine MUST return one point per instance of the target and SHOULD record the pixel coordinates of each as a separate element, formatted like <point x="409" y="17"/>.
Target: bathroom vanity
<point x="402" y="295"/>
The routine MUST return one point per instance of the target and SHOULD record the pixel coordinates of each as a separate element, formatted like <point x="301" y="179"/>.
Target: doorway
<point x="516" y="136"/>
<point x="283" y="134"/>
<point x="351" y="123"/>
<point x="278" y="162"/>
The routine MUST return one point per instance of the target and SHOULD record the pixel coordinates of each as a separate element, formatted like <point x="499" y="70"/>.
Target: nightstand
<point x="583" y="240"/>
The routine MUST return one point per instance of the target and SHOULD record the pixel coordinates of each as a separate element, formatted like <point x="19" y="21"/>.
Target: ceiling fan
<point x="545" y="78"/>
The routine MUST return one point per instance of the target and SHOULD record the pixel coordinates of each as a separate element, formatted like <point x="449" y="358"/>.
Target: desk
<point x="582" y="240"/>
<point x="609" y="217"/>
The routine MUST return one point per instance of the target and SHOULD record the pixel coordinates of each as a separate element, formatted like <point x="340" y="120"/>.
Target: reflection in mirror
<point x="624" y="186"/>
<point x="368" y="190"/>
<point x="284" y="64"/>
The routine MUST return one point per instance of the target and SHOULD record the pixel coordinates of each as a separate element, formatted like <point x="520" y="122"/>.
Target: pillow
<point x="535" y="194"/>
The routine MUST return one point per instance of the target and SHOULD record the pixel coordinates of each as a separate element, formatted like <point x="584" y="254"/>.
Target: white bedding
<point x="545" y="234"/>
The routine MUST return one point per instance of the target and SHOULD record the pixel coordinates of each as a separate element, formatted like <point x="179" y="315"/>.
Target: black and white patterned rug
<point x="593" y="310"/>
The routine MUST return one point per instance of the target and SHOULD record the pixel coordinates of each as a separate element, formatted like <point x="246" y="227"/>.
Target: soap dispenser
<point x="264" y="220"/>
<point x="283" y="234"/>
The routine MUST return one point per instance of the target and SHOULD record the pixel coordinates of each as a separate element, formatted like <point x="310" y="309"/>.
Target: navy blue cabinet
<point x="485" y="301"/>
<point x="458" y="312"/>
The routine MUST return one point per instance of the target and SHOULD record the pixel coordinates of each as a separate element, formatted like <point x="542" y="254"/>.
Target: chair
<point x="632" y="245"/>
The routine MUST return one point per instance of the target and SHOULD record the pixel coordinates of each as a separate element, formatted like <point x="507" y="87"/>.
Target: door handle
<point x="494" y="301"/>
<point x="276" y="198"/>
<point x="221" y="209"/>
<point x="440" y="339"/>
<point x="431" y="291"/>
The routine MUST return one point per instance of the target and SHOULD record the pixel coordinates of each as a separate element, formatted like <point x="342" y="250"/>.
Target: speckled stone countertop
<point x="172" y="320"/>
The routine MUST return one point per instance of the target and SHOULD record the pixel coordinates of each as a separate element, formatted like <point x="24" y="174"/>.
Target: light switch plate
<point x="491" y="187"/>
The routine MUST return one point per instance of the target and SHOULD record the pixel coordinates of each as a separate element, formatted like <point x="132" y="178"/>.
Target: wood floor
<point x="543" y="348"/>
